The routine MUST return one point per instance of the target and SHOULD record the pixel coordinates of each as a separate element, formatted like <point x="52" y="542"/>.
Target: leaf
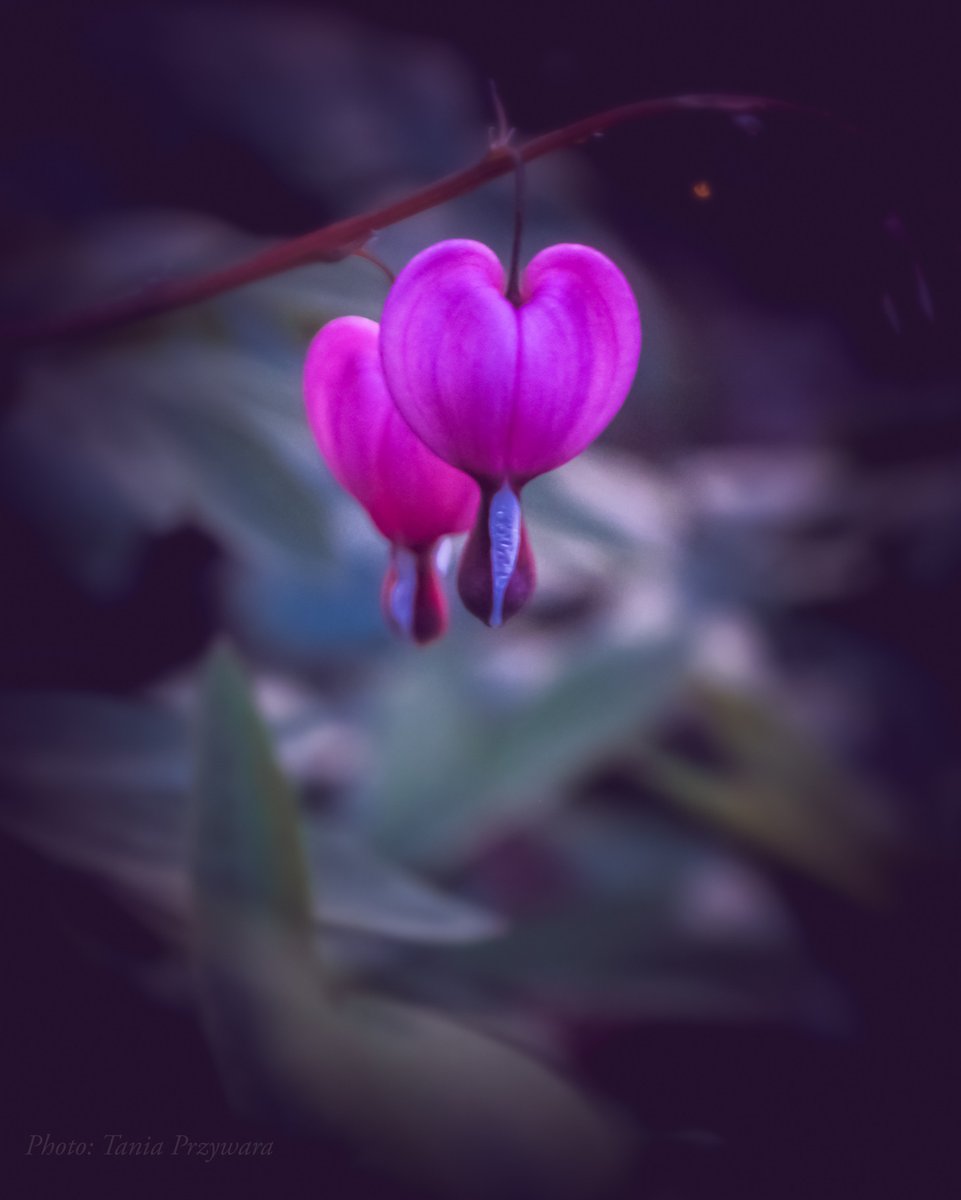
<point x="645" y="921"/>
<point x="358" y="890"/>
<point x="102" y="784"/>
<point x="452" y="771"/>
<point x="782" y="794"/>
<point x="247" y="849"/>
<point x="174" y="431"/>
<point x="248" y="870"/>
<point x="235" y="428"/>
<point x="245" y="487"/>
<point x="442" y="1103"/>
<point x="449" y="1108"/>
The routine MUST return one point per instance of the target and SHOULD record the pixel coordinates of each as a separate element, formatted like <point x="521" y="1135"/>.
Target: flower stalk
<point x="341" y="239"/>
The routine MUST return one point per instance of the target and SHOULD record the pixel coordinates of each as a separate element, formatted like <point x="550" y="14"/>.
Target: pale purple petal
<point x="504" y="524"/>
<point x="448" y="342"/>
<point x="411" y="495"/>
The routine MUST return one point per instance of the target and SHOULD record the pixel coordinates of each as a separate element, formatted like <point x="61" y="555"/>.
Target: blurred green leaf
<point x="781" y="793"/>
<point x="244" y="486"/>
<point x="452" y="769"/>
<point x="358" y="890"/>
<point x="435" y="1099"/>
<point x="236" y="429"/>
<point x="177" y="430"/>
<point x="248" y="872"/>
<point x="449" y="1108"/>
<point x="102" y="784"/>
<point x="643" y="921"/>
<point x="247" y="846"/>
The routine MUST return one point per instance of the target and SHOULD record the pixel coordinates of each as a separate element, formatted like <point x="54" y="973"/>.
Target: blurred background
<point x="653" y="893"/>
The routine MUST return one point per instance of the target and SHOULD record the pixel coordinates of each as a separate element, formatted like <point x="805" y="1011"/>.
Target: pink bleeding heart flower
<point x="506" y="391"/>
<point x="412" y="497"/>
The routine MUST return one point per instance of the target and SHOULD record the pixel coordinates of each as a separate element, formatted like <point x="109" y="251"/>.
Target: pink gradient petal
<point x="449" y="346"/>
<point x="578" y="348"/>
<point x="505" y="392"/>
<point x="411" y="495"/>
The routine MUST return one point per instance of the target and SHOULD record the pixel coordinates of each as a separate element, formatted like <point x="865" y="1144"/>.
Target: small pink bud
<point x="412" y="497"/>
<point x="507" y="392"/>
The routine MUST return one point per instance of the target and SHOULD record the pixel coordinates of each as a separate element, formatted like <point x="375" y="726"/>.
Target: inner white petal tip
<point x="504" y="527"/>
<point x="401" y="600"/>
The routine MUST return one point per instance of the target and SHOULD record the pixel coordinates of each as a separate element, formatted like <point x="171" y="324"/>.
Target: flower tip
<point x="412" y="599"/>
<point x="496" y="576"/>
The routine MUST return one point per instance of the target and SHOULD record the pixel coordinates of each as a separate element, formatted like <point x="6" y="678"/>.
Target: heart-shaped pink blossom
<point x="503" y="392"/>
<point x="507" y="391"/>
<point x="412" y="497"/>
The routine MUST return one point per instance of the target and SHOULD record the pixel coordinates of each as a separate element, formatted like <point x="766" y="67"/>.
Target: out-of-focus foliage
<point x="455" y="1107"/>
<point x="105" y="784"/>
<point x="777" y="790"/>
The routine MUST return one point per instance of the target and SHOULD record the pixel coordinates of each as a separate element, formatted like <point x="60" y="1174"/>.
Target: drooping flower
<point x="412" y="497"/>
<point x="506" y="391"/>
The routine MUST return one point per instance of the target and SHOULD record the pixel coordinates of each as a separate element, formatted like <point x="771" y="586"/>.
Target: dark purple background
<point x="89" y="128"/>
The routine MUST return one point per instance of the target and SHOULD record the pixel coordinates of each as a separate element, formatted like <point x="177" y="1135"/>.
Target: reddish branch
<point x="343" y="238"/>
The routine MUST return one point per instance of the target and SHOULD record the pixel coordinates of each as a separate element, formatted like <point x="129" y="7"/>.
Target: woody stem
<point x="343" y="238"/>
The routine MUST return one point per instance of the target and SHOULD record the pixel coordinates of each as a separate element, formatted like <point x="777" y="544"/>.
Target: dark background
<point x="90" y="128"/>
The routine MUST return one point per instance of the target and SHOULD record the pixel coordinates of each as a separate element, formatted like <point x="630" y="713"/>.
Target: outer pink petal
<point x="579" y="343"/>
<point x="505" y="392"/>
<point x="412" y="497"/>
<point x="449" y="346"/>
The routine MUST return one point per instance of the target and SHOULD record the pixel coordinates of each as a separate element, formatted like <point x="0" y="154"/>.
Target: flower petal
<point x="578" y="349"/>
<point x="411" y="495"/>
<point x="412" y="599"/>
<point x="449" y="347"/>
<point x="496" y="575"/>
